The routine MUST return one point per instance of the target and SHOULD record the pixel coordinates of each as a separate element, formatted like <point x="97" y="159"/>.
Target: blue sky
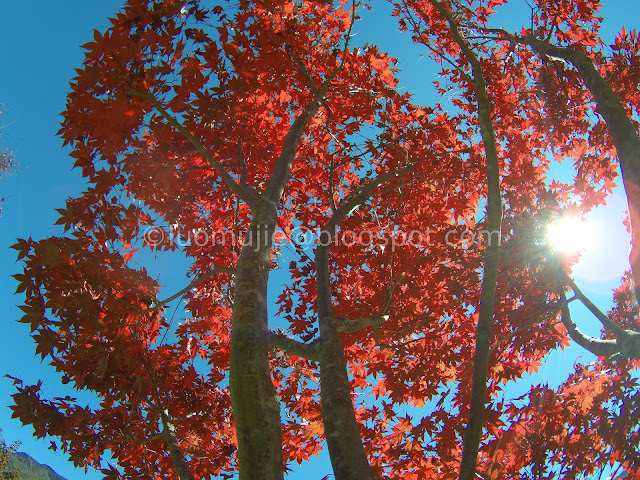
<point x="40" y="49"/>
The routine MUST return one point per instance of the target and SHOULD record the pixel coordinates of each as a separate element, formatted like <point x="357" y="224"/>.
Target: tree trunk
<point x="473" y="432"/>
<point x="348" y="458"/>
<point x="256" y="408"/>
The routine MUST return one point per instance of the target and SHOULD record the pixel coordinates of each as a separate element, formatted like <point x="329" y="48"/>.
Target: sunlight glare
<point x="571" y="235"/>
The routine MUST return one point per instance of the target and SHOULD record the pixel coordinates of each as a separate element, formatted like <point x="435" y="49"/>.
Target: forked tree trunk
<point x="256" y="407"/>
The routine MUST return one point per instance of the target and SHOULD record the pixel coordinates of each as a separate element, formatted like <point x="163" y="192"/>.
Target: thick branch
<point x="254" y="400"/>
<point x="342" y="431"/>
<point x="627" y="342"/>
<point x="305" y="73"/>
<point x="280" y="175"/>
<point x="253" y="396"/>
<point x="294" y="347"/>
<point x="246" y="195"/>
<point x="602" y="348"/>
<point x="348" y="458"/>
<point x="473" y="432"/>
<point x="602" y="318"/>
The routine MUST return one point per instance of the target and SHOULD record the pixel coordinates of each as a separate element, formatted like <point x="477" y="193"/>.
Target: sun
<point x="571" y="235"/>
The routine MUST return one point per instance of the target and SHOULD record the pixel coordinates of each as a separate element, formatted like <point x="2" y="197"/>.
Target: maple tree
<point x="574" y="26"/>
<point x="232" y="134"/>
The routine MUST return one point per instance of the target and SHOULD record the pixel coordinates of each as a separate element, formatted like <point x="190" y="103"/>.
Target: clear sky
<point x="39" y="49"/>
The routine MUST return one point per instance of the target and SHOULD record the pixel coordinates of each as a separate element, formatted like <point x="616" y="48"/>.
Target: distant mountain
<point x="30" y="469"/>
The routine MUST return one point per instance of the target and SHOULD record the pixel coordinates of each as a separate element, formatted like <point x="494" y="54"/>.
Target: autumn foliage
<point x="405" y="243"/>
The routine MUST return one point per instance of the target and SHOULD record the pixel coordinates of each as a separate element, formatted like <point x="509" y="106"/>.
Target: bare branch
<point x="436" y="52"/>
<point x="216" y="269"/>
<point x="141" y="441"/>
<point x="332" y="200"/>
<point x="280" y="175"/>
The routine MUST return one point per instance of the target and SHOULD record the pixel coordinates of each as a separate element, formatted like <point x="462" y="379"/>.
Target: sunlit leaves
<point x="236" y="80"/>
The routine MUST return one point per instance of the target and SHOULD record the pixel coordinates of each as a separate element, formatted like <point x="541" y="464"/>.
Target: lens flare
<point x="571" y="235"/>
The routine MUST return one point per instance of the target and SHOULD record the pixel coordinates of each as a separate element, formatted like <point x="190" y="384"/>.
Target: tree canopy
<point x="421" y="283"/>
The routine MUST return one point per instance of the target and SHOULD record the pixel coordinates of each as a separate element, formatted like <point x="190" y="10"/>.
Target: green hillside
<point x="30" y="469"/>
